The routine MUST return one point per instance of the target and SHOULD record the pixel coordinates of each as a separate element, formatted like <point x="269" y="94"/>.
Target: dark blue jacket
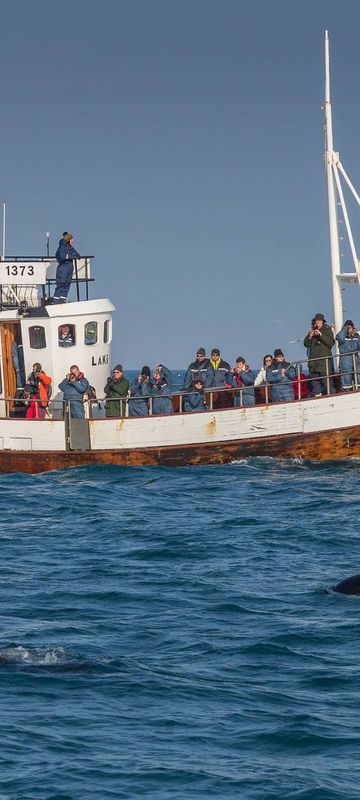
<point x="196" y="370"/>
<point x="281" y="385"/>
<point x="218" y="377"/>
<point x="160" y="404"/>
<point x="74" y="391"/>
<point x="139" y="405"/>
<point x="65" y="253"/>
<point x="348" y="344"/>
<point x="246" y="397"/>
<point x="195" y="401"/>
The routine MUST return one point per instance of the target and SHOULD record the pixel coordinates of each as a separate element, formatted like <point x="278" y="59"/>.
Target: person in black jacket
<point x="319" y="343"/>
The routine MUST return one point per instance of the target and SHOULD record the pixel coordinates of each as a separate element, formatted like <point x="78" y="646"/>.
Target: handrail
<point x="238" y="390"/>
<point x="61" y="405"/>
<point x="34" y="258"/>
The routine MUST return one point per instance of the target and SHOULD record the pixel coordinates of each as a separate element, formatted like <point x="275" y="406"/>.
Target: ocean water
<point x="168" y="633"/>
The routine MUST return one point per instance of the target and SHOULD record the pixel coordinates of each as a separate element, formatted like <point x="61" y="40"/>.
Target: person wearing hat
<point x="349" y="347"/>
<point x="220" y="378"/>
<point x="116" y="390"/>
<point x="64" y="255"/>
<point x="195" y="400"/>
<point x="280" y="375"/>
<point x="220" y="370"/>
<point x="199" y="367"/>
<point x="319" y="343"/>
<point x="140" y="391"/>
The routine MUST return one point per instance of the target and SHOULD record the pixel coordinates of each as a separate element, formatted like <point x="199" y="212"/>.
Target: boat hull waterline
<point x="283" y="431"/>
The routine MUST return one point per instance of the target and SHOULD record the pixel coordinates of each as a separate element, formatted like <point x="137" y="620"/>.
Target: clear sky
<point x="182" y="143"/>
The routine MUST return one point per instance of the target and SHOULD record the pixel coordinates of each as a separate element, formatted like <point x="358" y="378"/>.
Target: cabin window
<point x="37" y="337"/>
<point x="107" y="331"/>
<point x="66" y="335"/>
<point x="91" y="333"/>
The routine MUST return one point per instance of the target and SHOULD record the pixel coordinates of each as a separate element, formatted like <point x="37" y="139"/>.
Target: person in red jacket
<point x="301" y="383"/>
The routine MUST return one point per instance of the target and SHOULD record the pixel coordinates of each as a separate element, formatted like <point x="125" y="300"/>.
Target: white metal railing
<point x="56" y="409"/>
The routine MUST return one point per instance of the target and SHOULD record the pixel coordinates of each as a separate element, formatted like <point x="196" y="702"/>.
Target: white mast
<point x="331" y="160"/>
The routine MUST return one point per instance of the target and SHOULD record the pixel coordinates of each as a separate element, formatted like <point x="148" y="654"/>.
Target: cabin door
<point x="8" y="335"/>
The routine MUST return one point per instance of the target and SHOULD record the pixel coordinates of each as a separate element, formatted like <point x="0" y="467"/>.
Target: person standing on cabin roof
<point x="74" y="387"/>
<point x="116" y="390"/>
<point x="349" y="347"/>
<point x="64" y="255"/>
<point x="319" y="342"/>
<point x="281" y="374"/>
<point x="200" y="368"/>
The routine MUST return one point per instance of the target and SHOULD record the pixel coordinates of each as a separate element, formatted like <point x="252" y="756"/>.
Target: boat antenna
<point x="4" y="232"/>
<point x="47" y="244"/>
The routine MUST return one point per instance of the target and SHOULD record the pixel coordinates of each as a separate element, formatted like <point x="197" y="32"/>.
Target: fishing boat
<point x="319" y="428"/>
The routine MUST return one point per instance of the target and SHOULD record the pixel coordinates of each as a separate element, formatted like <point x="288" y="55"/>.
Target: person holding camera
<point x="140" y="391"/>
<point x="162" y="386"/>
<point x="116" y="391"/>
<point x="349" y="347"/>
<point x="38" y="387"/>
<point x="319" y="343"/>
<point x="280" y="375"/>
<point x="74" y="386"/>
<point x="244" y="378"/>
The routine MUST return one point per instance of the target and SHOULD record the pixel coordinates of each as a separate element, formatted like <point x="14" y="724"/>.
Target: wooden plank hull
<point x="330" y="445"/>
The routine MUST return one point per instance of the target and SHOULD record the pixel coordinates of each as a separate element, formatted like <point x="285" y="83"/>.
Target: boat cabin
<point x="57" y="336"/>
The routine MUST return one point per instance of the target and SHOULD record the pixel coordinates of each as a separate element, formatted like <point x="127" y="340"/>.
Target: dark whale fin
<point x="348" y="586"/>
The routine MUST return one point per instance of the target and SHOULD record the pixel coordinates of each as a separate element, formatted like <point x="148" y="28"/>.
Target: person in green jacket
<point x="116" y="391"/>
<point x="319" y="342"/>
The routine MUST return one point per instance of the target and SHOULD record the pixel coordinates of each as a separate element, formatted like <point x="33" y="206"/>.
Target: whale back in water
<point x="348" y="586"/>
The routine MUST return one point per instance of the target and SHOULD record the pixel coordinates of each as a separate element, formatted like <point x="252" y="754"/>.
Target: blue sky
<point x="182" y="143"/>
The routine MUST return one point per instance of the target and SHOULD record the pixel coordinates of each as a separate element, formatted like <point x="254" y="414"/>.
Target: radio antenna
<point x="4" y="232"/>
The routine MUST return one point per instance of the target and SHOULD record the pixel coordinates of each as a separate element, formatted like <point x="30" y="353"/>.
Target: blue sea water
<point x="166" y="633"/>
